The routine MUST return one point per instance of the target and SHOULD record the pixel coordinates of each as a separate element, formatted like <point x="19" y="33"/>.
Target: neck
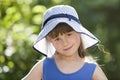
<point x="67" y="58"/>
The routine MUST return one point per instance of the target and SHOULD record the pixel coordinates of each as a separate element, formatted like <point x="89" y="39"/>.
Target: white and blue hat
<point x="61" y="14"/>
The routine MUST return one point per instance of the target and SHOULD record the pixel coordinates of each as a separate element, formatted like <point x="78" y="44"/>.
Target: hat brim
<point x="42" y="46"/>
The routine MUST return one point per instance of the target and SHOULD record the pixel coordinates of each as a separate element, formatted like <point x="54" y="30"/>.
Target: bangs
<point x="61" y="28"/>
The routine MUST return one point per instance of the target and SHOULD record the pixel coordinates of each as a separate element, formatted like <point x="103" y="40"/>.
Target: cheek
<point x="57" y="46"/>
<point x="76" y="40"/>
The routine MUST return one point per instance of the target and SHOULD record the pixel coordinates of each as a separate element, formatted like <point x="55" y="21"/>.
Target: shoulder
<point x="36" y="71"/>
<point x="99" y="74"/>
<point x="91" y="65"/>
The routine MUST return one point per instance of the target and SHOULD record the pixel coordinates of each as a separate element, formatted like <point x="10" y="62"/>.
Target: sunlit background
<point x="20" y="23"/>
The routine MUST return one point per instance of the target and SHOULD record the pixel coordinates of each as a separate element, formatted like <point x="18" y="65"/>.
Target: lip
<point x="67" y="48"/>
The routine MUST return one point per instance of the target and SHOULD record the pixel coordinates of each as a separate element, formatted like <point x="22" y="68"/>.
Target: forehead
<point x="61" y="28"/>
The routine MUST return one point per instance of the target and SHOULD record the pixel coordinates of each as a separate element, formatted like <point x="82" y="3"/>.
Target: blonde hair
<point x="62" y="28"/>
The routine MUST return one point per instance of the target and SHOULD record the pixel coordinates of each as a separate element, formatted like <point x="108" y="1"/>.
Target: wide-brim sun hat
<point x="61" y="14"/>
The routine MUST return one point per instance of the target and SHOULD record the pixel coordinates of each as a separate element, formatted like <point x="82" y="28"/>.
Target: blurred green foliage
<point x="20" y="22"/>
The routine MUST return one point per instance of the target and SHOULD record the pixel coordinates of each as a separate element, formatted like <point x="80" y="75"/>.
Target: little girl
<point x="63" y="40"/>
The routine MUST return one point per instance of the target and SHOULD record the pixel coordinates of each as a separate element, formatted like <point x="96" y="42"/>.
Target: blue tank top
<point x="51" y="71"/>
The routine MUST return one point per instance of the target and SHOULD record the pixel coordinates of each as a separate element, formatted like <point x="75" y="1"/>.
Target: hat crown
<point x="60" y="9"/>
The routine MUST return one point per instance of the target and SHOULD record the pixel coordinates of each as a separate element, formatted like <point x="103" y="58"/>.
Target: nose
<point x="65" y="41"/>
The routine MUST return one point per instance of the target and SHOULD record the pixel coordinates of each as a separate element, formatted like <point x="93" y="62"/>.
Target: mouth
<point x="66" y="49"/>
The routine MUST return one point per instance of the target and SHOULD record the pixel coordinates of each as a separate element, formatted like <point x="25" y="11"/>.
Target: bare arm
<point x="99" y="74"/>
<point x="35" y="73"/>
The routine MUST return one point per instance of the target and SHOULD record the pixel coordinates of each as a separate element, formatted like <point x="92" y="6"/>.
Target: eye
<point x="56" y="39"/>
<point x="69" y="33"/>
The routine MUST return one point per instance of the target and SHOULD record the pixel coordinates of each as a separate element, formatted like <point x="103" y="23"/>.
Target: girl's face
<point x="66" y="43"/>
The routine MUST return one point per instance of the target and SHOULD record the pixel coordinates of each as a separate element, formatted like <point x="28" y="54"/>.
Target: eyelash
<point x="68" y="34"/>
<point x="57" y="39"/>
